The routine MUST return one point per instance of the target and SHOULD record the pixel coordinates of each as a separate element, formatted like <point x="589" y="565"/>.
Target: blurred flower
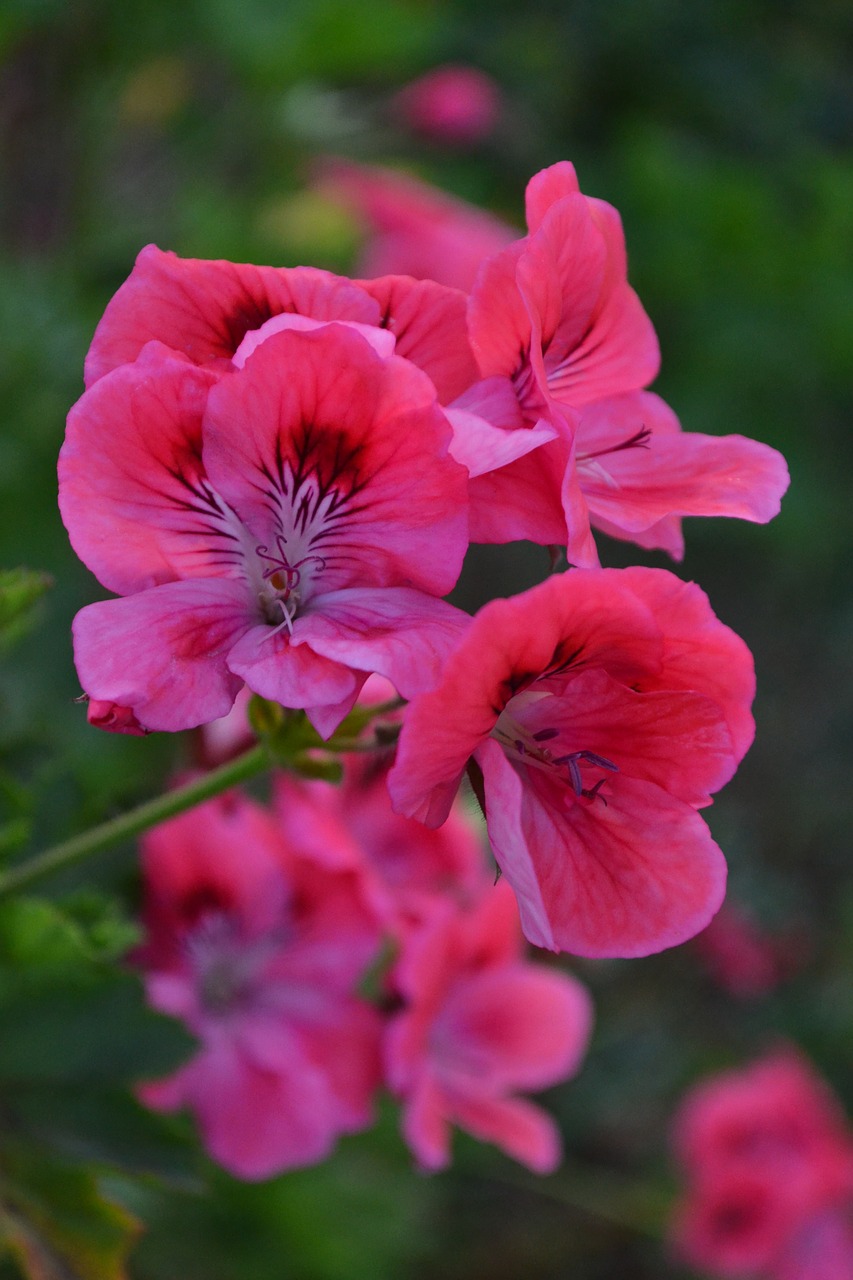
<point x="742" y="959"/>
<point x="603" y="707"/>
<point x="478" y="1023"/>
<point x="257" y="949"/>
<point x="768" y="1161"/>
<point x="414" y="229"/>
<point x="456" y="105"/>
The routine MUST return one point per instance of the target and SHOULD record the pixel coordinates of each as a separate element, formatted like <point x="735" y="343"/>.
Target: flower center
<point x="281" y="596"/>
<point x="225" y="963"/>
<point x="527" y="745"/>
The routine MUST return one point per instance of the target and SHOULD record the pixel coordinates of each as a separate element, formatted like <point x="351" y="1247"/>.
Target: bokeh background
<point x="721" y="132"/>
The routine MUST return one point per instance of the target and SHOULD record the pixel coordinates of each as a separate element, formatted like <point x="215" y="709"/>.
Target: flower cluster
<point x="768" y="1159"/>
<point x="278" y="472"/>
<point x="261" y="928"/>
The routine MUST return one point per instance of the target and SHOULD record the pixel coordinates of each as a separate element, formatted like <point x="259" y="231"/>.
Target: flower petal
<point x="428" y="321"/>
<point x="626" y="879"/>
<point x="132" y="487"/>
<point x="205" y="308"/>
<point x="401" y="634"/>
<point x="163" y="652"/>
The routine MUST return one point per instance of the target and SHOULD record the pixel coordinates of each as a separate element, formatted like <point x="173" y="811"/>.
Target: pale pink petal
<point x="664" y="535"/>
<point x="205" y="309"/>
<point x="293" y="674"/>
<point x="380" y="340"/>
<point x="595" y="336"/>
<point x="401" y="634"/>
<point x="190" y="869"/>
<point x="164" y="652"/>
<point x="560" y="275"/>
<point x="493" y="399"/>
<point x="132" y="488"/>
<point x="519" y="1128"/>
<point x="626" y="879"/>
<point x="347" y="1050"/>
<point x="580" y="544"/>
<point x="522" y="501"/>
<point x="481" y="447"/>
<point x="428" y="321"/>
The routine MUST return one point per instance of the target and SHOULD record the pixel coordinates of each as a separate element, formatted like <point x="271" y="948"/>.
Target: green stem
<point x="130" y="824"/>
<point x="631" y="1206"/>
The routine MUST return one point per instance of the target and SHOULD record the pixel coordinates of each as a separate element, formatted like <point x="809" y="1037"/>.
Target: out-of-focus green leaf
<point x="103" y="1127"/>
<point x="20" y="590"/>
<point x="75" y="1017"/>
<point x="92" y="1030"/>
<point x="56" y="1223"/>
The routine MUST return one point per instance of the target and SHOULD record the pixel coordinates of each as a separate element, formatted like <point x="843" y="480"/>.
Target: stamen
<point x="572" y="763"/>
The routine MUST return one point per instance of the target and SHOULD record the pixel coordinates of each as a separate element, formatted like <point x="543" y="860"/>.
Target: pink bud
<point x="454" y="105"/>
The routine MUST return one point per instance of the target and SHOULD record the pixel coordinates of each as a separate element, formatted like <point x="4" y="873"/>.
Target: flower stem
<point x="127" y="825"/>
<point x="631" y="1206"/>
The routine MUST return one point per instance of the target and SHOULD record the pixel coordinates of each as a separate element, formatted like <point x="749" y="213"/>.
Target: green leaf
<point x="91" y="1030"/>
<point x="56" y="1223"/>
<point x="103" y="1127"/>
<point x="20" y="590"/>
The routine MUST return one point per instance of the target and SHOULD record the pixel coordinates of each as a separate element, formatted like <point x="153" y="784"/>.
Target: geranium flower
<point x="455" y="105"/>
<point x="257" y="949"/>
<point x="415" y="229"/>
<point x="603" y="707"/>
<point x="289" y="525"/>
<point x="478" y="1023"/>
<point x="768" y="1163"/>
<point x="215" y="311"/>
<point x="553" y="317"/>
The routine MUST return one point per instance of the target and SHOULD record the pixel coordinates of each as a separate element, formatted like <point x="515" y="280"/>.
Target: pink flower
<point x="257" y="950"/>
<point x="289" y="525"/>
<point x="602" y="707"/>
<point x="409" y="866"/>
<point x="218" y="312"/>
<point x="554" y="318"/>
<point x="738" y="955"/>
<point x="768" y="1162"/>
<point x="478" y="1023"/>
<point x="455" y="105"/>
<point x="415" y="229"/>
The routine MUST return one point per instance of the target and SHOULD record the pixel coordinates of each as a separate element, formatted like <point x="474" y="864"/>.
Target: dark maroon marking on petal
<point x="544" y="735"/>
<point x="561" y="661"/>
<point x="639" y="440"/>
<point x="250" y="313"/>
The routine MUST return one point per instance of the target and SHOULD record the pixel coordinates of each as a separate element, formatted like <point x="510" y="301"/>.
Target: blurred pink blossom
<point x="768" y="1162"/>
<point x="456" y="105"/>
<point x="414" y="229"/>
<point x="258" y="949"/>
<point x="478" y="1023"/>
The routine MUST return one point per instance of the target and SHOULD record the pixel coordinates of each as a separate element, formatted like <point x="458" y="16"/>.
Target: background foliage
<point x="719" y="131"/>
